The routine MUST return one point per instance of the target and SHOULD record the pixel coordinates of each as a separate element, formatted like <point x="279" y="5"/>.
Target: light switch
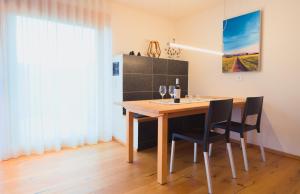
<point x="239" y="78"/>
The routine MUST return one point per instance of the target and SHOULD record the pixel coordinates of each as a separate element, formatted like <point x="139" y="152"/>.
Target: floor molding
<point x="281" y="153"/>
<point x="118" y="140"/>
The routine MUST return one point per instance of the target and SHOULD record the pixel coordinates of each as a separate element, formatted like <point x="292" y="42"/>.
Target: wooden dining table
<point x="163" y="111"/>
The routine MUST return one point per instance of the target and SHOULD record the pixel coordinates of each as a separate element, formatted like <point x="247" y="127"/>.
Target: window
<point x="54" y="82"/>
<point x="55" y="75"/>
<point x="63" y="45"/>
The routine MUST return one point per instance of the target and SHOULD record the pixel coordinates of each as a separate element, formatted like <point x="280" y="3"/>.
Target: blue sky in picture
<point x="241" y="32"/>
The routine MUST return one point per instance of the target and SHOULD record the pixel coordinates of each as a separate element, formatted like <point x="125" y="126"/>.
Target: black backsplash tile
<point x="134" y="64"/>
<point x="183" y="93"/>
<point x="137" y="82"/>
<point x="143" y="76"/>
<point x="183" y="80"/>
<point x="159" y="80"/>
<point x="160" y="66"/>
<point x="129" y="96"/>
<point x="176" y="67"/>
<point x="156" y="95"/>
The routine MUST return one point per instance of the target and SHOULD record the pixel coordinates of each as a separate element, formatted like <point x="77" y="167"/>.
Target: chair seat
<point x="196" y="135"/>
<point x="235" y="126"/>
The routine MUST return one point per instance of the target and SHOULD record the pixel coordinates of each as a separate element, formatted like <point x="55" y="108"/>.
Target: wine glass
<point x="162" y="91"/>
<point x="171" y="91"/>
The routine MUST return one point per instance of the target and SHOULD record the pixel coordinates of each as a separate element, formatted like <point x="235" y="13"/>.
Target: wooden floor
<point x="102" y="169"/>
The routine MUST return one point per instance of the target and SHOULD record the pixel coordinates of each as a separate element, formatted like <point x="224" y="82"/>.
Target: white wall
<point x="279" y="78"/>
<point x="132" y="29"/>
<point x="277" y="81"/>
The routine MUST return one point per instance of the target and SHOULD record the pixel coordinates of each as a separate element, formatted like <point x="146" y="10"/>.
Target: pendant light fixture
<point x="197" y="49"/>
<point x="191" y="48"/>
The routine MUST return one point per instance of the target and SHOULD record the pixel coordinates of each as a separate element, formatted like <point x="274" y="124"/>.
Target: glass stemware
<point x="162" y="91"/>
<point x="171" y="91"/>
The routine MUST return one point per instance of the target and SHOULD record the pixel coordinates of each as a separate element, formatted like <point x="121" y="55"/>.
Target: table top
<point x="156" y="108"/>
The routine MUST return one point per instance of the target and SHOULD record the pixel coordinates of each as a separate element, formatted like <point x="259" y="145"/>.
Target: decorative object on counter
<point x="177" y="92"/>
<point x="182" y="101"/>
<point x="162" y="91"/>
<point x="154" y="49"/>
<point x="131" y="53"/>
<point x="139" y="54"/>
<point x="173" y="52"/>
<point x="171" y="91"/>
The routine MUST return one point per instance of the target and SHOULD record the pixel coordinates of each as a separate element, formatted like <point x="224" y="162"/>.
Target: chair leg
<point x="229" y="151"/>
<point x="262" y="150"/>
<point x="195" y="152"/>
<point x="244" y="154"/>
<point x="172" y="156"/>
<point x="207" y="170"/>
<point x="210" y="149"/>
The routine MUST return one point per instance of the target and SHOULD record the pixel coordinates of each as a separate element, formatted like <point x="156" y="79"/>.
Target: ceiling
<point x="173" y="9"/>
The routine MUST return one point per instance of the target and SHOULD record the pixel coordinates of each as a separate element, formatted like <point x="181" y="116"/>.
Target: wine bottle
<point x="177" y="92"/>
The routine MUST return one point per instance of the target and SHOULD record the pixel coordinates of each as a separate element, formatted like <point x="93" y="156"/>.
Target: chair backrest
<point x="218" y="111"/>
<point x="253" y="106"/>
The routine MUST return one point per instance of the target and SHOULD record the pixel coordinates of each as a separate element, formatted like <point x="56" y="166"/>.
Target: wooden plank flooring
<point x="103" y="168"/>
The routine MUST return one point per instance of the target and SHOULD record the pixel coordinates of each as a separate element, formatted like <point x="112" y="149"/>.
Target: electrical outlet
<point x="239" y="78"/>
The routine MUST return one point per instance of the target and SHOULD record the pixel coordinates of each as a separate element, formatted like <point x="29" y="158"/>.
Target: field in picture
<point x="238" y="63"/>
<point x="241" y="43"/>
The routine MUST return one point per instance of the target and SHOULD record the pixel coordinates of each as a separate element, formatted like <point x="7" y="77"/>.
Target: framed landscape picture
<point x="241" y="43"/>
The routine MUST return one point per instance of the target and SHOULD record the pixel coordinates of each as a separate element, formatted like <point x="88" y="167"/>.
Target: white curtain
<point x="55" y="75"/>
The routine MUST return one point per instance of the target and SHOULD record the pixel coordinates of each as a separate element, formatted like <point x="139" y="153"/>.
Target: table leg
<point x="162" y="150"/>
<point x="129" y="133"/>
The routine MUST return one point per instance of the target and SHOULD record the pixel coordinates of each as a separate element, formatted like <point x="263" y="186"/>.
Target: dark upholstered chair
<point x="253" y="106"/>
<point x="219" y="112"/>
